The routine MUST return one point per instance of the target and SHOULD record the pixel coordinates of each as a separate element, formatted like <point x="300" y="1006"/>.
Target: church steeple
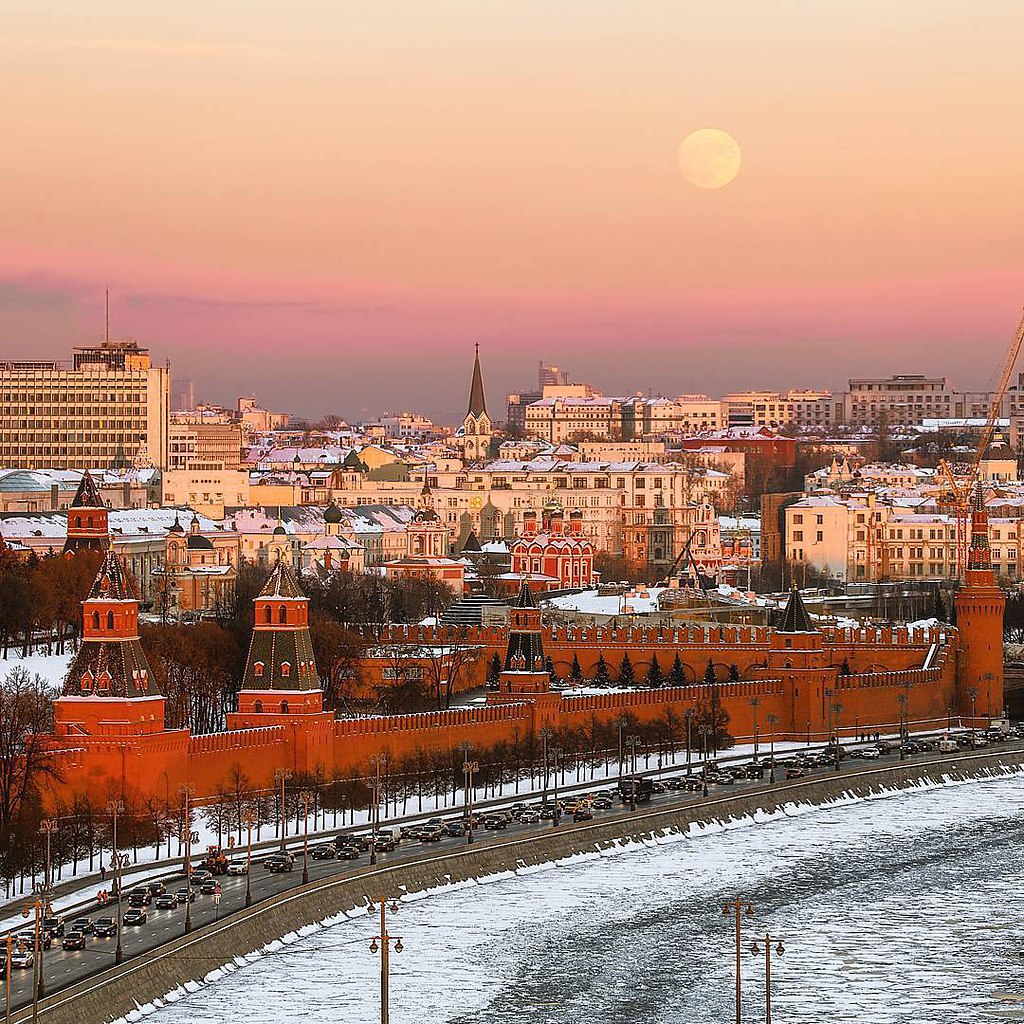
<point x="476" y="427"/>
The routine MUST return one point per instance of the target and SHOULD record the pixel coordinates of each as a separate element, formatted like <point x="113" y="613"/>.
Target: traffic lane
<point x="64" y="968"/>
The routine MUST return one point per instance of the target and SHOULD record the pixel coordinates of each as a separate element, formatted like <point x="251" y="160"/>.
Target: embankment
<point x="120" y="990"/>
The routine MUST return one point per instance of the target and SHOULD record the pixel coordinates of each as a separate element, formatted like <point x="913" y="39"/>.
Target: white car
<point x="22" y="958"/>
<point x="238" y="867"/>
<point x="870" y="753"/>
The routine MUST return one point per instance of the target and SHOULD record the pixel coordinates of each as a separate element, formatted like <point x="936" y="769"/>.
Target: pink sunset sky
<point x="327" y="202"/>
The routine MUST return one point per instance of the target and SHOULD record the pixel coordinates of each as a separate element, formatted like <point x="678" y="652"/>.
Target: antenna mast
<point x="106" y="316"/>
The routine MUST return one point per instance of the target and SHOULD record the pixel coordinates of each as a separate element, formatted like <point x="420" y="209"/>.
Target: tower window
<point x="96" y="620"/>
<point x="284" y="707"/>
<point x="258" y="707"/>
<point x="110" y="620"/>
<point x="282" y="614"/>
<point x="257" y="669"/>
<point x="268" y="615"/>
<point x="286" y="669"/>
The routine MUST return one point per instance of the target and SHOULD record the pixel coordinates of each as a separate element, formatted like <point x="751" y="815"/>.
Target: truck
<point x="635" y="787"/>
<point x="215" y="861"/>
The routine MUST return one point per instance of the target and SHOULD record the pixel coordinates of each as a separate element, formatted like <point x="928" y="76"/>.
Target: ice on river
<point x="902" y="910"/>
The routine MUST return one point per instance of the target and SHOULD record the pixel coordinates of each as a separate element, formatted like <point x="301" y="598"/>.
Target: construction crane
<point x="959" y="496"/>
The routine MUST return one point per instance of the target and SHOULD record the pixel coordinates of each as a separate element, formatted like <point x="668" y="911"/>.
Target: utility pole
<point x="385" y="941"/>
<point x="737" y="907"/>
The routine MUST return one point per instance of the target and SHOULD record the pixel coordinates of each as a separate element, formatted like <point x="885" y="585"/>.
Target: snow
<point x="577" y="935"/>
<point x="591" y="602"/>
<point x="52" y="667"/>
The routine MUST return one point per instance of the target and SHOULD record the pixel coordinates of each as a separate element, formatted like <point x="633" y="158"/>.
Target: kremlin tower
<point x="979" y="617"/>
<point x="87" y="519"/>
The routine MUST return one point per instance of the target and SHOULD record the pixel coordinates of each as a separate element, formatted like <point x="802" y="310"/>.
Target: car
<point x="28" y="940"/>
<point x="455" y="828"/>
<point x="694" y="785"/>
<point x="22" y="958"/>
<point x="73" y="940"/>
<point x="870" y="753"/>
<point x="185" y="895"/>
<point x="138" y="899"/>
<point x="549" y="810"/>
<point x="278" y="862"/>
<point x="326" y="852"/>
<point x="53" y="926"/>
<point x="794" y="772"/>
<point x="83" y="925"/>
<point x="156" y="888"/>
<point x="199" y="876"/>
<point x="529" y="818"/>
<point x="238" y="867"/>
<point x="570" y="805"/>
<point x="722" y="779"/>
<point x="133" y="918"/>
<point x="382" y="842"/>
<point x="210" y="887"/>
<point x="495" y="821"/>
<point x="346" y="839"/>
<point x="348" y="852"/>
<point x="601" y="803"/>
<point x="754" y="771"/>
<point x="517" y="809"/>
<point x="583" y="813"/>
<point x="657" y="786"/>
<point x="166" y="901"/>
<point x="433" y="833"/>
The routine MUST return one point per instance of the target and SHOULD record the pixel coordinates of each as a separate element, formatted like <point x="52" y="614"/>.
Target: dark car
<point x="134" y="918"/>
<point x="348" y="852"/>
<point x="166" y="901"/>
<point x="601" y="803"/>
<point x="495" y="821"/>
<point x="754" y="771"/>
<point x="794" y="772"/>
<point x="198" y="877"/>
<point x="278" y="862"/>
<point x="105" y="927"/>
<point x="156" y="888"/>
<point x="346" y="839"/>
<point x="210" y="887"/>
<point x="185" y="895"/>
<point x="74" y="940"/>
<point x="583" y="814"/>
<point x="383" y="843"/>
<point x="455" y="828"/>
<point x="28" y="940"/>
<point x="139" y="899"/>
<point x="83" y="925"/>
<point x="433" y="833"/>
<point x="53" y="926"/>
<point x="325" y="852"/>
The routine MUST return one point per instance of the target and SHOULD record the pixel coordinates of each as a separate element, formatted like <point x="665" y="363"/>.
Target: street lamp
<point x="547" y="734"/>
<point x="688" y="715"/>
<point x="186" y="792"/>
<point x="378" y="761"/>
<point x="901" y="699"/>
<point x="556" y="753"/>
<point x="47" y="827"/>
<point x="738" y="907"/>
<point x="773" y="720"/>
<point x="972" y="692"/>
<point x="305" y="796"/>
<point x="704" y="729"/>
<point x="282" y="775"/>
<point x="632" y="741"/>
<point x="385" y="940"/>
<point x="779" y="950"/>
<point x="114" y="809"/>
<point x="828" y="694"/>
<point x="468" y="770"/>
<point x="7" y="977"/>
<point x="755" y="703"/>
<point x="837" y="710"/>
<point x="621" y="723"/>
<point x="248" y="859"/>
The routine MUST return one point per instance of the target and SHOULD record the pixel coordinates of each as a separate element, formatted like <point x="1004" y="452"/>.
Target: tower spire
<point x="477" y="401"/>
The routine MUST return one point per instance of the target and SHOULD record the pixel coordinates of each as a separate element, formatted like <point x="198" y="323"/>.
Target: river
<point x="902" y="909"/>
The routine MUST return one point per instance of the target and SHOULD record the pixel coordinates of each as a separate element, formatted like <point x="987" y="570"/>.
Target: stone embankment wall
<point x="119" y="990"/>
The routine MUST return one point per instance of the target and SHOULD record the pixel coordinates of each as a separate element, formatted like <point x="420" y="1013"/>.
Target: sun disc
<point x="709" y="158"/>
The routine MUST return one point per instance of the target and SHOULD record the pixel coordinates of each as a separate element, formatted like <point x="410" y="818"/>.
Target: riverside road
<point x="63" y="968"/>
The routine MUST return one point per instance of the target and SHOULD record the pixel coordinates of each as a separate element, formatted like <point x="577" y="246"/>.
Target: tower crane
<point x="959" y="495"/>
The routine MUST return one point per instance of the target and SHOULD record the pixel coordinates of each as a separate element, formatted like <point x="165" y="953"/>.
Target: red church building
<point x="553" y="558"/>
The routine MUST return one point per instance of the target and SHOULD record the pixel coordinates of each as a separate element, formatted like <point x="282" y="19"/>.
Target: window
<point x="820" y="536"/>
<point x="96" y="620"/>
<point x="284" y="707"/>
<point x="258" y="707"/>
<point x="798" y="535"/>
<point x="268" y="615"/>
<point x="110" y="620"/>
<point x="257" y="670"/>
<point x="286" y="669"/>
<point x="798" y="519"/>
<point x="282" y="615"/>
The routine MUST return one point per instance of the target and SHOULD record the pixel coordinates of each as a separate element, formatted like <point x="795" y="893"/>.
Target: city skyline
<point x="359" y="182"/>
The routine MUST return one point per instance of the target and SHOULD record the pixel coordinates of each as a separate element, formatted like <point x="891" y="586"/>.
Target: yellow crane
<point x="960" y="495"/>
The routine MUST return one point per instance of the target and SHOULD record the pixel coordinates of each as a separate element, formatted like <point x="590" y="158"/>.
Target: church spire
<point x="477" y="401"/>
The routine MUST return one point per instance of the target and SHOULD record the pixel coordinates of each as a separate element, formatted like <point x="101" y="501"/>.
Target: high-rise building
<point x="108" y="408"/>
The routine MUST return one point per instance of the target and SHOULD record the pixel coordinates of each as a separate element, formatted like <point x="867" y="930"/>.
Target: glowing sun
<point x="709" y="158"/>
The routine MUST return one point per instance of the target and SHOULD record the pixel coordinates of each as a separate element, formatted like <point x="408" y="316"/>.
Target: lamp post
<point x="282" y="775"/>
<point x="47" y="827"/>
<point x="688" y="715"/>
<point x="808" y="732"/>
<point x="546" y="734"/>
<point x="755" y="703"/>
<point x="704" y="729"/>
<point x="7" y="977"/>
<point x="556" y="753"/>
<point x="972" y="692"/>
<point x="385" y="940"/>
<point x="632" y="741"/>
<point x="828" y="694"/>
<point x="114" y="809"/>
<point x="37" y="959"/>
<point x="837" y="710"/>
<point x="773" y="720"/>
<point x="779" y="950"/>
<point x="901" y="700"/>
<point x="469" y="768"/>
<point x="186" y="795"/>
<point x="248" y="858"/>
<point x="305" y="796"/>
<point x="737" y="907"/>
<point x="621" y="724"/>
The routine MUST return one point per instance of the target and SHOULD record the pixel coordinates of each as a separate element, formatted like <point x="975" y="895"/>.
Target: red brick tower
<point x="87" y="519"/>
<point x="979" y="617"/>
<point x="524" y="675"/>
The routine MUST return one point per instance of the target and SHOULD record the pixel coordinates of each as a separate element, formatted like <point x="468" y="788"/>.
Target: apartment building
<point x="108" y="408"/>
<point x="212" y="445"/>
<point x="909" y="399"/>
<point x="561" y="418"/>
<point x="805" y="410"/>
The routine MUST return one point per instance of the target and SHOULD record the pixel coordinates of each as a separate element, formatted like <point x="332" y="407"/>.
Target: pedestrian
<point x="103" y="873"/>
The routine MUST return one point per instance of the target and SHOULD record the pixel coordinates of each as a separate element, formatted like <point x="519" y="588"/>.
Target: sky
<point x="327" y="203"/>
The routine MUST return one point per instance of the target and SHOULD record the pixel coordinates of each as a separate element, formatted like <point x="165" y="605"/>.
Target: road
<point x="62" y="968"/>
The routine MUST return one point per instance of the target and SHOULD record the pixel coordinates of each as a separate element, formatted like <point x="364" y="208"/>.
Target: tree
<point x="677" y="675"/>
<point x="655" y="677"/>
<point x="734" y="673"/>
<point x="709" y="674"/>
<point x="338" y="652"/>
<point x="575" y="672"/>
<point x="601" y="676"/>
<point x="549" y="667"/>
<point x="626" y="674"/>
<point x="844" y="668"/>
<point x="494" y="670"/>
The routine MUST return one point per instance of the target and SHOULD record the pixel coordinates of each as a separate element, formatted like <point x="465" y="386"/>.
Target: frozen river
<point x="904" y="909"/>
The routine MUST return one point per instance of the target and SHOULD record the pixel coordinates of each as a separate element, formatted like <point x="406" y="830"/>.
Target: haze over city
<point x="368" y="180"/>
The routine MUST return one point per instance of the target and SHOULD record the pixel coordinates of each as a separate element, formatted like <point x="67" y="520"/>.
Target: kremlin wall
<point x="110" y="736"/>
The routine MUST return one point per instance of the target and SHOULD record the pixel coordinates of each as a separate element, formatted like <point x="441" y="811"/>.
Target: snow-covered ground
<point x="897" y="910"/>
<point x="52" y="667"/>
